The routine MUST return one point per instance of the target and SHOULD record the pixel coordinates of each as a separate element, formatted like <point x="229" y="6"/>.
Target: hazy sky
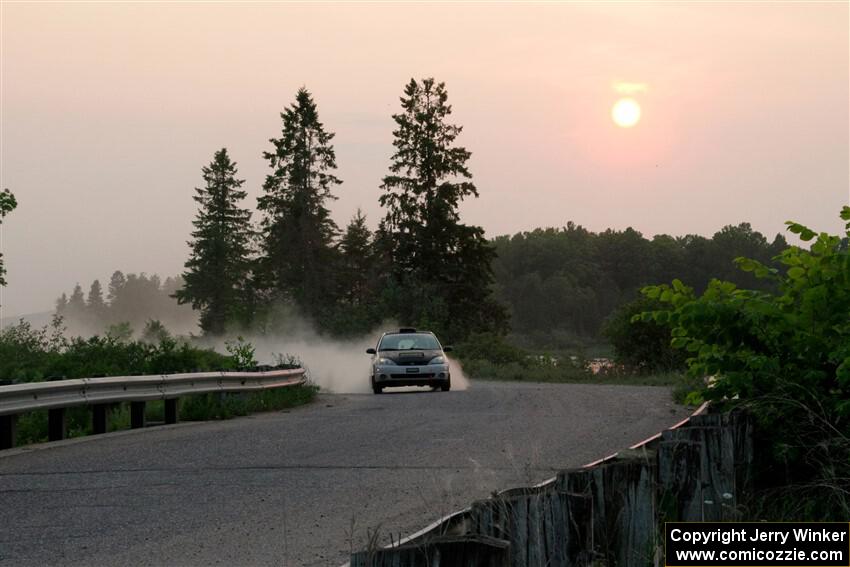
<point x="109" y="111"/>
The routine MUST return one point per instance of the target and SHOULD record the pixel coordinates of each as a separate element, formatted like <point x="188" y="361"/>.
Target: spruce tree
<point x="7" y="205"/>
<point x="61" y="304"/>
<point x="76" y="309"/>
<point x="219" y="265"/>
<point x="95" y="303"/>
<point x="440" y="266"/>
<point x="357" y="261"/>
<point x="297" y="231"/>
<point x="116" y="286"/>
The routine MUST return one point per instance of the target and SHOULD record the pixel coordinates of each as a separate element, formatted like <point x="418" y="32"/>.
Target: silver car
<point x="409" y="358"/>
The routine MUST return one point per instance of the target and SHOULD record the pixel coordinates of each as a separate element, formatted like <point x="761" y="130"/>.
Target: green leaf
<point x="796" y="272"/>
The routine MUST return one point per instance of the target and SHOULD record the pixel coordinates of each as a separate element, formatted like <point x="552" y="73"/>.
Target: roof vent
<point x="407" y="330"/>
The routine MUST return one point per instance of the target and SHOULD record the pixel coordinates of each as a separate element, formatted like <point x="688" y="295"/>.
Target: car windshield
<point x="409" y="341"/>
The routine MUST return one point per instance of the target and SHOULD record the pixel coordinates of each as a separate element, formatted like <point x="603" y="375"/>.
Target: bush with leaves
<point x="642" y="346"/>
<point x="29" y="354"/>
<point x="786" y="355"/>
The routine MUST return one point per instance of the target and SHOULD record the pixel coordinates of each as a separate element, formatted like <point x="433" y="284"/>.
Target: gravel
<point x="304" y="487"/>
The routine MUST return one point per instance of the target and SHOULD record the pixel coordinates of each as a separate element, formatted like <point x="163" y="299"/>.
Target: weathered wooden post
<point x="679" y="481"/>
<point x="575" y="488"/>
<point x="447" y="551"/>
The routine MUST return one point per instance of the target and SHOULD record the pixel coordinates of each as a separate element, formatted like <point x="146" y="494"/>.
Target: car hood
<point x="410" y="356"/>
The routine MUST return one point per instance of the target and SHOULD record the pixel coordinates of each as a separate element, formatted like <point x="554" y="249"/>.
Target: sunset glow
<point x="626" y="112"/>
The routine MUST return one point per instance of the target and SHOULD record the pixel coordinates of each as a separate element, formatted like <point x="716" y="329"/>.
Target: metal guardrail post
<point x="98" y="417"/>
<point x="57" y="424"/>
<point x="7" y="431"/>
<point x="171" y="410"/>
<point x="137" y="415"/>
<point x="101" y="394"/>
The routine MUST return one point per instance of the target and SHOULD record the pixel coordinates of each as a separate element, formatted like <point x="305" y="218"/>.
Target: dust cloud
<point x="338" y="366"/>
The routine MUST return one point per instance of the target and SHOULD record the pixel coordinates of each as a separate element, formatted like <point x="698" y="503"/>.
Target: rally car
<point x="408" y="357"/>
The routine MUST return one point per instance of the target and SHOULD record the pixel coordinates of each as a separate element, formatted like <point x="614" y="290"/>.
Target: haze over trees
<point x="132" y="299"/>
<point x="551" y="288"/>
<point x="561" y="284"/>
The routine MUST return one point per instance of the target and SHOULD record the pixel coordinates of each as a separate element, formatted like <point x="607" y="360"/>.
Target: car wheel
<point x="447" y="385"/>
<point x="377" y="389"/>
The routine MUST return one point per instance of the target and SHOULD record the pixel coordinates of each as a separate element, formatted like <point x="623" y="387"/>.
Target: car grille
<point x="412" y="362"/>
<point x="412" y="375"/>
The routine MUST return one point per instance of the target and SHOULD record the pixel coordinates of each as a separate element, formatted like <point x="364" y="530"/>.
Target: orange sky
<point x="109" y="110"/>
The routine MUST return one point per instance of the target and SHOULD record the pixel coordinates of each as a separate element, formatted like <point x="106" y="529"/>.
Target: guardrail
<point x="100" y="393"/>
<point x="605" y="511"/>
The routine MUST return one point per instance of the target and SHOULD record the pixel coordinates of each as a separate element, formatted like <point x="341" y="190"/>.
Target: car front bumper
<point x="392" y="375"/>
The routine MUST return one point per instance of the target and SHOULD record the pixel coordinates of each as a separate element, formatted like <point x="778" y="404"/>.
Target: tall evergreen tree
<point x="297" y="231"/>
<point x="357" y="261"/>
<point x="219" y="265"/>
<point x="444" y="263"/>
<point x="95" y="302"/>
<point x="61" y="304"/>
<point x="116" y="285"/>
<point x="76" y="309"/>
<point x="7" y="205"/>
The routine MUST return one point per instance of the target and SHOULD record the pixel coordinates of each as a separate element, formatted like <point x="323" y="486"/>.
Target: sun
<point x="626" y="112"/>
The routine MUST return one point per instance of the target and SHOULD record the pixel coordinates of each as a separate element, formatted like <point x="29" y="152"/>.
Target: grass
<point x="32" y="426"/>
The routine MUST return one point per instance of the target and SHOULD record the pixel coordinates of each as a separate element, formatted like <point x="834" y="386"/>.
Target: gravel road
<point x="301" y="487"/>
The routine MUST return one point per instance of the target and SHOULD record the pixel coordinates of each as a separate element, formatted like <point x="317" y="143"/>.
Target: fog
<point x="110" y="109"/>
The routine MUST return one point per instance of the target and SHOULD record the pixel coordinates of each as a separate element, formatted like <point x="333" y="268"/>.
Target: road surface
<point x="303" y="487"/>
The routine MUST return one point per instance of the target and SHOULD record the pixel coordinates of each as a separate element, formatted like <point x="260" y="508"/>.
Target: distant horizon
<point x="104" y="279"/>
<point x="109" y="111"/>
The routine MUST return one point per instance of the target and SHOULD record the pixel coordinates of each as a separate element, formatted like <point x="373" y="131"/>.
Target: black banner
<point x="757" y="544"/>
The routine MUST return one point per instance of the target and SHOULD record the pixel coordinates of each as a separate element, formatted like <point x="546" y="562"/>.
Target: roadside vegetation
<point x="784" y="355"/>
<point x="28" y="354"/>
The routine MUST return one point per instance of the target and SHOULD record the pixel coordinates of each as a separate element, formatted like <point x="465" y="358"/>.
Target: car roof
<point x="408" y="333"/>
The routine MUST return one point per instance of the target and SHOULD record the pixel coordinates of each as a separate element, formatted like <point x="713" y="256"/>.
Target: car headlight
<point x="438" y="360"/>
<point x="385" y="361"/>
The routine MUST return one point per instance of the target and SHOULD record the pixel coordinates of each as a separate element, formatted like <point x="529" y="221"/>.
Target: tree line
<point x="552" y="288"/>
<point x="561" y="285"/>
<point x="422" y="266"/>
<point x="131" y="302"/>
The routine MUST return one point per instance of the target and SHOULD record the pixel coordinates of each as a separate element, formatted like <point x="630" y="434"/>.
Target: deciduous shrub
<point x="786" y="355"/>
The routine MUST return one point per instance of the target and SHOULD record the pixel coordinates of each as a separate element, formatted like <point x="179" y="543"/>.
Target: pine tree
<point x="357" y="261"/>
<point x="219" y="265"/>
<point x="7" y="205"/>
<point x="116" y="285"/>
<point x="61" y="304"/>
<point x="441" y="267"/>
<point x="95" y="303"/>
<point x="76" y="309"/>
<point x="297" y="231"/>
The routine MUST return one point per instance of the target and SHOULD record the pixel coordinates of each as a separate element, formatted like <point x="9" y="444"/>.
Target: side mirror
<point x="447" y="349"/>
<point x="370" y="351"/>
